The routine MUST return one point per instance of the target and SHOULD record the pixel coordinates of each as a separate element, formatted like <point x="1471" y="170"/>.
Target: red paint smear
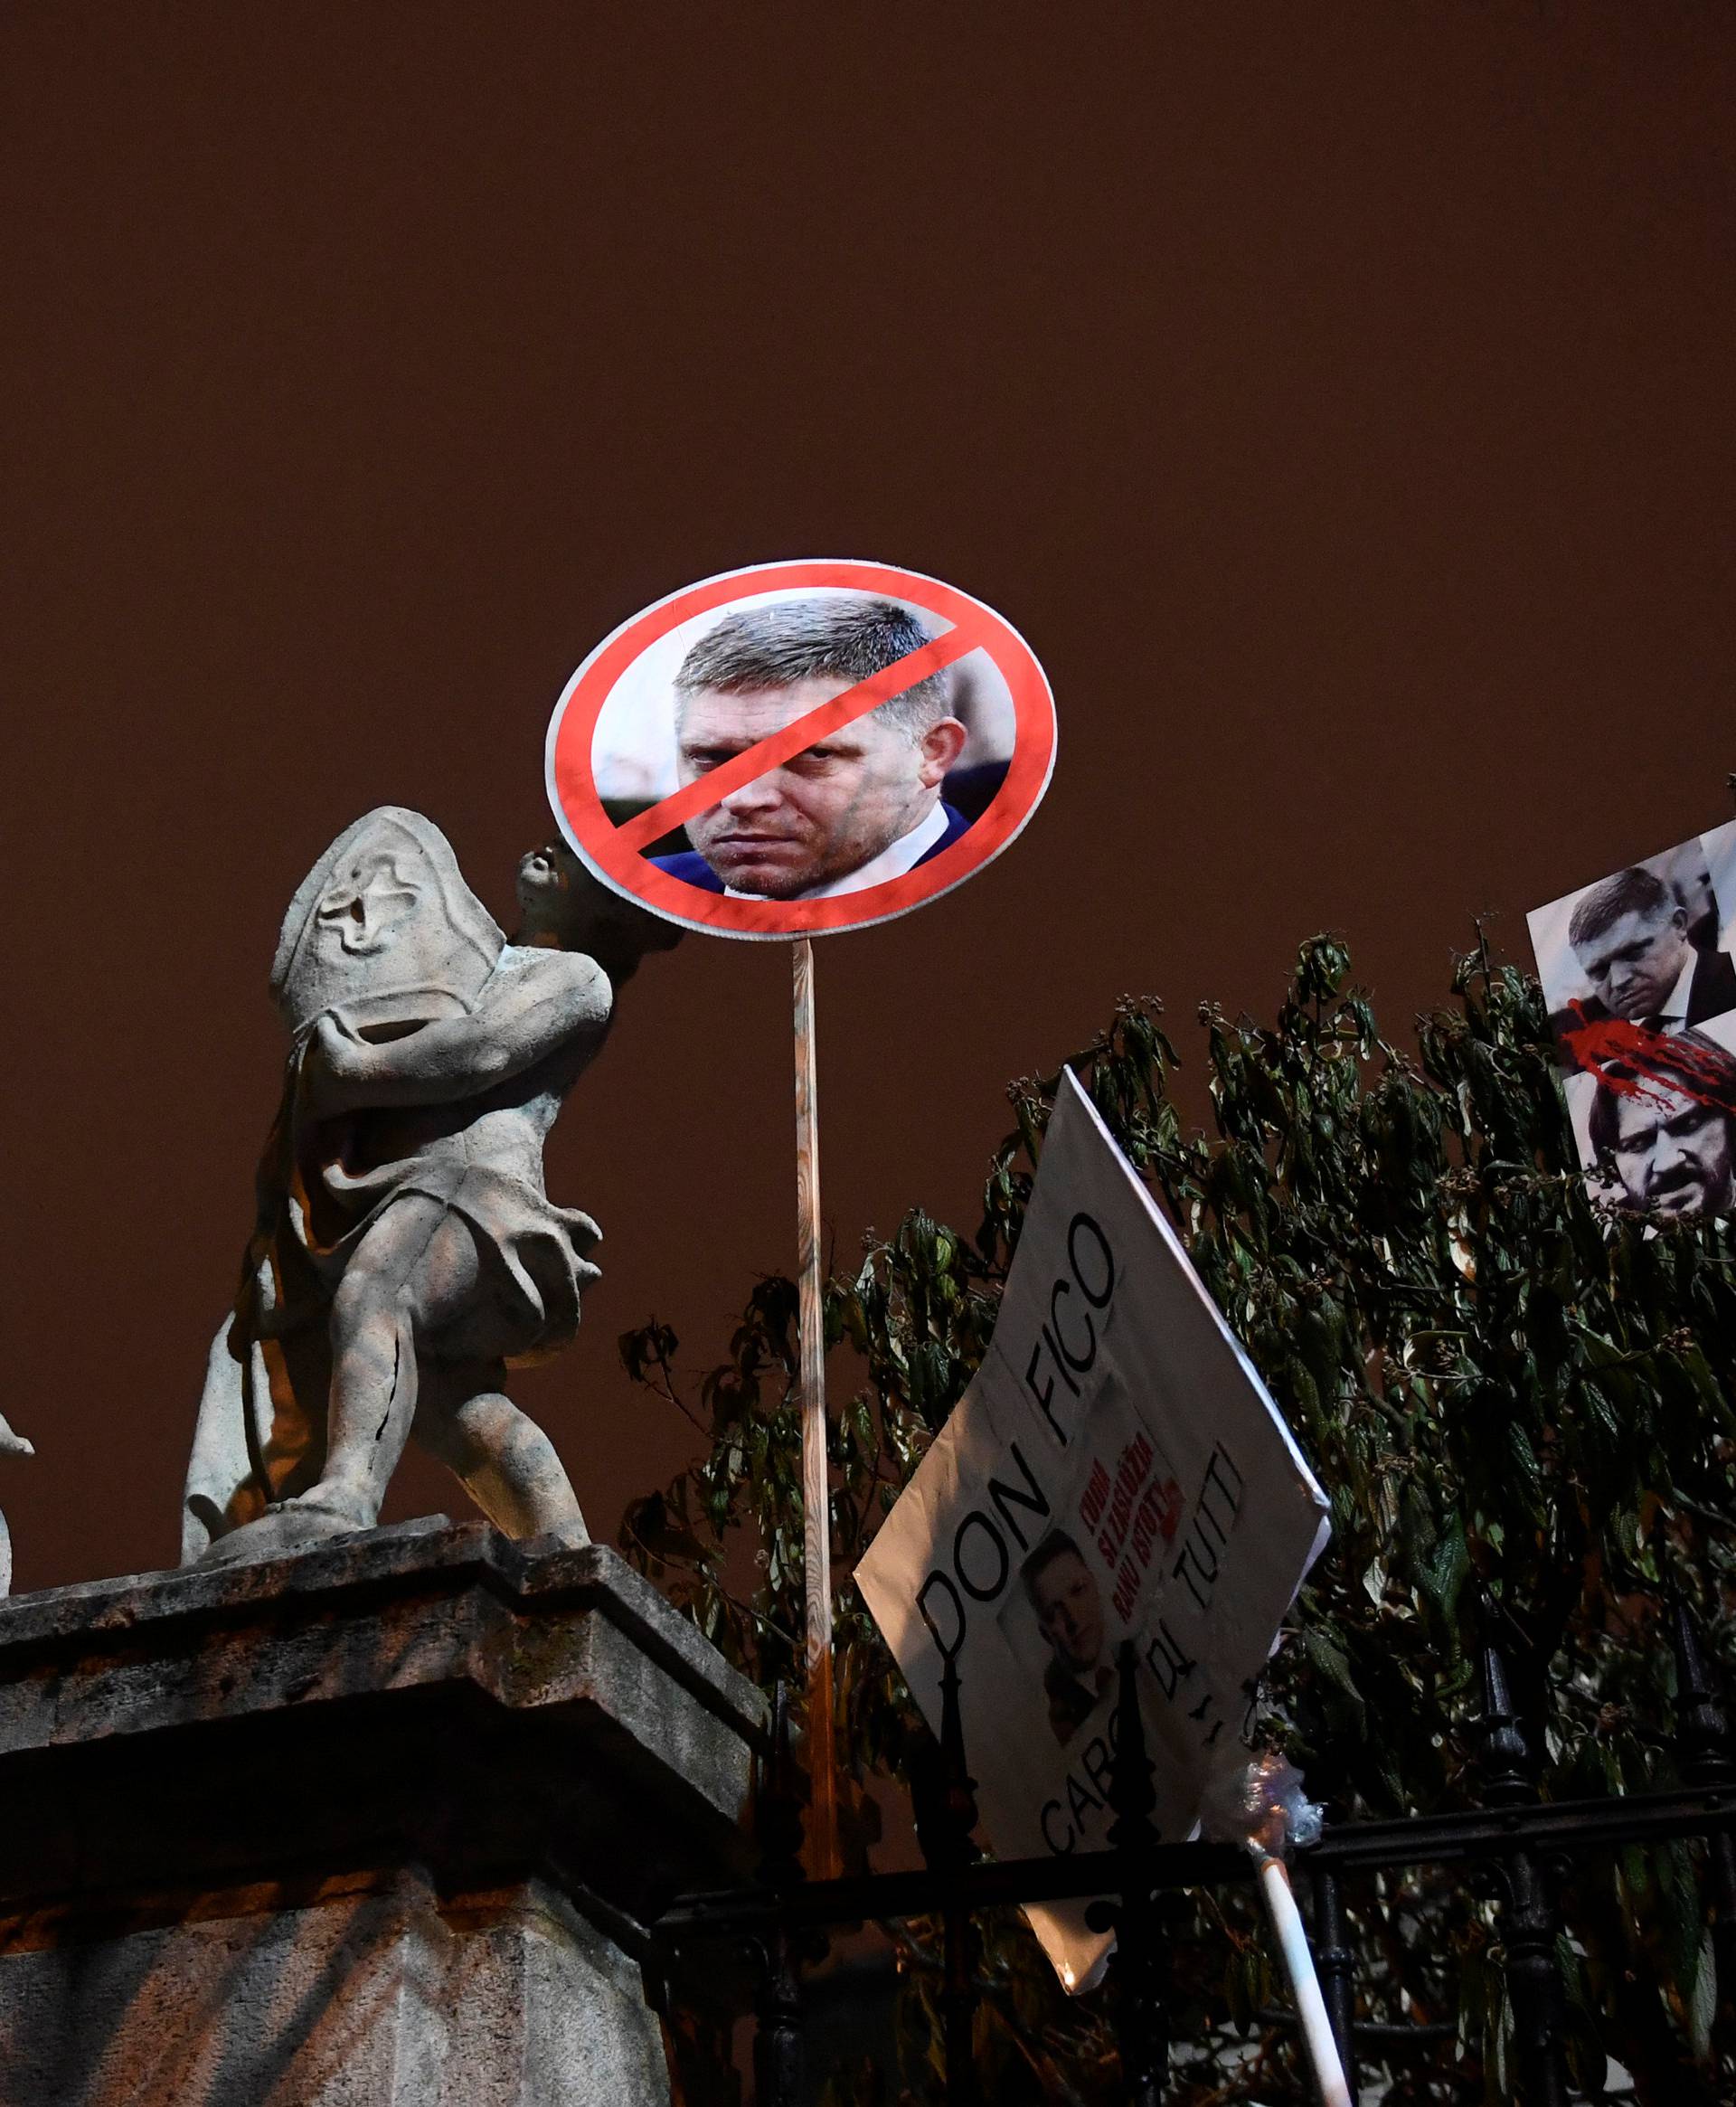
<point x="1632" y="1062"/>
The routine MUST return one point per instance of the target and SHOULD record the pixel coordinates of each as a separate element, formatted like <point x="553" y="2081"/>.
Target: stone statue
<point x="11" y="1444"/>
<point x="405" y="1252"/>
<point x="561" y="906"/>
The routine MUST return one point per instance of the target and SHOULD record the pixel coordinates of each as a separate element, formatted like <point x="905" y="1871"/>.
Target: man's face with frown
<point x="1636" y="962"/>
<point x="822" y="815"/>
<point x="1672" y="1154"/>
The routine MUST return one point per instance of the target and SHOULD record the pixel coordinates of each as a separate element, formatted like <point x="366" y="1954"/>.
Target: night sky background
<point x="1338" y="398"/>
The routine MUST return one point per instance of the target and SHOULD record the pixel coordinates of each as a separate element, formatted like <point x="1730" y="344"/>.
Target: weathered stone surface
<point x="11" y="1444"/>
<point x="404" y="1250"/>
<point x="376" y="1824"/>
<point x="390" y="1996"/>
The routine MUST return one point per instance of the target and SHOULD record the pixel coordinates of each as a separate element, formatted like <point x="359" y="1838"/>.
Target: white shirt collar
<point x="1676" y="1008"/>
<point x="892" y="862"/>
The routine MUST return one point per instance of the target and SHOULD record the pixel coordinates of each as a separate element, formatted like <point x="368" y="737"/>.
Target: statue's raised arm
<point x="530" y="1006"/>
<point x="405" y="1254"/>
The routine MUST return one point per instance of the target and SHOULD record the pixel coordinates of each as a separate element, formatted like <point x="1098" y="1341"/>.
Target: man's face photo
<point x="861" y="807"/>
<point x="1070" y="1610"/>
<point x="1672" y="1154"/>
<point x="1649" y="945"/>
<point x="1635" y="963"/>
<point x="825" y="813"/>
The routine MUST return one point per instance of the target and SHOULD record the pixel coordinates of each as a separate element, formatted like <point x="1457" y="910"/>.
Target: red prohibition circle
<point x="613" y="852"/>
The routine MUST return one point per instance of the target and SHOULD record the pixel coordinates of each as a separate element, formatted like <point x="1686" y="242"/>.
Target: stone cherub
<point x="405" y="1252"/>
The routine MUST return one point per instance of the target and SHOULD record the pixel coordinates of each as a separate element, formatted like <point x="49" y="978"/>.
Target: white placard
<point x="1116" y="1470"/>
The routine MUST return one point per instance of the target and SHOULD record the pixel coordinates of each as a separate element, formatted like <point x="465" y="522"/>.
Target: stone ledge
<point x="426" y="1555"/>
<point x="424" y="1695"/>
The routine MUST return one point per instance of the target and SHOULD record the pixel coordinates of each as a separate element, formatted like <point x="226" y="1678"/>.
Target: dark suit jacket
<point x="692" y="869"/>
<point x="1712" y="989"/>
<point x="1072" y="1700"/>
<point x="1710" y="994"/>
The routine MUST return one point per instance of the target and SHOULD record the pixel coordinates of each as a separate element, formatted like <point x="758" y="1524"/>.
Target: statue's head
<point x="561" y="904"/>
<point x="545" y="883"/>
<point x="384" y="927"/>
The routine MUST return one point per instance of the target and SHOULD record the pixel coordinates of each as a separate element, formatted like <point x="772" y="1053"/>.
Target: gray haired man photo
<point x="1632" y="939"/>
<point x="862" y="806"/>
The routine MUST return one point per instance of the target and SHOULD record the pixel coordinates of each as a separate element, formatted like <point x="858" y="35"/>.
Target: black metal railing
<point x="1523" y="1844"/>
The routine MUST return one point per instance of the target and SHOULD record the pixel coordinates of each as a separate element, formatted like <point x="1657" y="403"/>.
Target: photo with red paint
<point x="867" y="802"/>
<point x="1639" y="973"/>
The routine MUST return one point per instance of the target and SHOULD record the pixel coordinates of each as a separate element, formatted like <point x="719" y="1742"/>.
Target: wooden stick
<point x="817" y="1502"/>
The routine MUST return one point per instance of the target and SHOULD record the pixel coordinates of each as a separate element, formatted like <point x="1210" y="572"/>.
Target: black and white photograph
<point x="1638" y="973"/>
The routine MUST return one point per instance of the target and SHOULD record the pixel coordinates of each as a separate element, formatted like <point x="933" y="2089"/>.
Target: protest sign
<point x="1641" y="981"/>
<point x="789" y="750"/>
<point x="1116" y="1470"/>
<point x="795" y="748"/>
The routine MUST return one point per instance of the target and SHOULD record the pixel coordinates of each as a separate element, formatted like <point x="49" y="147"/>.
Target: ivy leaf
<point x="1445" y="1572"/>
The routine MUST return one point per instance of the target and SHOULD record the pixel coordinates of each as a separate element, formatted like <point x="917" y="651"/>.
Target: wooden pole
<point x="817" y="1502"/>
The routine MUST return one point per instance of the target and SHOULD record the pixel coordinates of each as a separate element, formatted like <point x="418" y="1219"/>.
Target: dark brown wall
<point x="1339" y="398"/>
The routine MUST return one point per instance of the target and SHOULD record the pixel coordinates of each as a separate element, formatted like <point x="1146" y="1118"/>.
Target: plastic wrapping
<point x="1262" y="1805"/>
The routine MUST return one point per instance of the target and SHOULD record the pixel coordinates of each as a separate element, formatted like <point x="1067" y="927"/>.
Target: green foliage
<point x="1520" y="1405"/>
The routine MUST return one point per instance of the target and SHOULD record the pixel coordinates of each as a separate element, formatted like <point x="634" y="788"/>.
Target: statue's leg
<point x="414" y="1269"/>
<point x="504" y="1461"/>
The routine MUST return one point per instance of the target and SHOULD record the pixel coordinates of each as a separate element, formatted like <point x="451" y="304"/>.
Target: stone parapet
<point x="376" y="1824"/>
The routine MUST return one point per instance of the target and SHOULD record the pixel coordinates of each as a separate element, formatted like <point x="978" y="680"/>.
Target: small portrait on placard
<point x="1060" y="1595"/>
<point x="1639" y="977"/>
<point x="867" y="802"/>
<point x="1089" y="1580"/>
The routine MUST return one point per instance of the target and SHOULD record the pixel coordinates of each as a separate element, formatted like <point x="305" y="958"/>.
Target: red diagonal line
<point x="716" y="784"/>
